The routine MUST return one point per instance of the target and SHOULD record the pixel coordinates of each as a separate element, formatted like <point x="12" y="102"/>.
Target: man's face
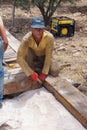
<point x="37" y="32"/>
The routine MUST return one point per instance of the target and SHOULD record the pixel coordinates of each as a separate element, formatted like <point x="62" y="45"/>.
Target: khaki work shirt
<point x="45" y="47"/>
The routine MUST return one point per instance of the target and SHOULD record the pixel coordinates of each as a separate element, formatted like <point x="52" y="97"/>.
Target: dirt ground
<point x="70" y="52"/>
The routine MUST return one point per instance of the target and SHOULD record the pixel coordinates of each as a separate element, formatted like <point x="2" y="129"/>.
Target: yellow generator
<point x="62" y="26"/>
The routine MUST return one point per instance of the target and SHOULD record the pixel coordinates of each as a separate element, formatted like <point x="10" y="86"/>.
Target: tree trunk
<point x="13" y="12"/>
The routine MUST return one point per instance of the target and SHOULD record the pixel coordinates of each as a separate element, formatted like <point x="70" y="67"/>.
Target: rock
<point x="85" y="76"/>
<point x="5" y="126"/>
<point x="82" y="88"/>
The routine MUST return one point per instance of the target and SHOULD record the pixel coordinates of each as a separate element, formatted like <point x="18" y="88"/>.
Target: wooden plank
<point x="10" y="55"/>
<point x="15" y="81"/>
<point x="69" y="96"/>
<point x="13" y="45"/>
<point x="19" y="83"/>
<point x="13" y="42"/>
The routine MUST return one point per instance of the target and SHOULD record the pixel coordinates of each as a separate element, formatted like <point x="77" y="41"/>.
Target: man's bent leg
<point x="29" y="58"/>
<point x="54" y="68"/>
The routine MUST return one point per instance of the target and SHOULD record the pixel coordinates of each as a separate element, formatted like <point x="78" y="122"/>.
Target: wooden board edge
<point x="19" y="84"/>
<point x="66" y="104"/>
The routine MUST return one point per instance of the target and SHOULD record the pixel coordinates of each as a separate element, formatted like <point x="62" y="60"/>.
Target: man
<point x="35" y="52"/>
<point x="3" y="47"/>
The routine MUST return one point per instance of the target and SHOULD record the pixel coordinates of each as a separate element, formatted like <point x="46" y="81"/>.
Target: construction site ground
<point x="70" y="52"/>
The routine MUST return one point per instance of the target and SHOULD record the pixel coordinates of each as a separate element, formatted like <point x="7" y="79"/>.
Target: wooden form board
<point x="69" y="96"/>
<point x="13" y="45"/>
<point x="17" y="82"/>
<point x="13" y="42"/>
<point x="10" y="55"/>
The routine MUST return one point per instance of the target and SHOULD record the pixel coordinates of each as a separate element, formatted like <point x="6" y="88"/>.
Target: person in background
<point x="3" y="47"/>
<point x="35" y="52"/>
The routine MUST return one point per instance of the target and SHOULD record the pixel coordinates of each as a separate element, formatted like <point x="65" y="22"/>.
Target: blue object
<point x="1" y="52"/>
<point x="1" y="86"/>
<point x="37" y="22"/>
<point x="1" y="69"/>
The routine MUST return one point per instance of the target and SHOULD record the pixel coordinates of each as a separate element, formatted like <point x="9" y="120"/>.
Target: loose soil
<point x="70" y="52"/>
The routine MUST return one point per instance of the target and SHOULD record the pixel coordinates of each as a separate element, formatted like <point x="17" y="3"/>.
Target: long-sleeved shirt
<point x="45" y="48"/>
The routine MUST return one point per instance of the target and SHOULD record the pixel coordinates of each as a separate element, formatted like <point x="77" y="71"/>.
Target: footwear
<point x="0" y="105"/>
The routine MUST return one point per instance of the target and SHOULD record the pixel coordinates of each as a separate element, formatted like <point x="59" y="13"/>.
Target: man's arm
<point x="22" y="52"/>
<point x="3" y="34"/>
<point x="48" y="56"/>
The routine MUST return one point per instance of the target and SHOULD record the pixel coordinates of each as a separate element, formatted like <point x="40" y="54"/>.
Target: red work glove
<point x="42" y="76"/>
<point x="34" y="76"/>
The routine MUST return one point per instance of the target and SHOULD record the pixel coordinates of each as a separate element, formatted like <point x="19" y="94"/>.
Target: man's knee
<point x="54" y="69"/>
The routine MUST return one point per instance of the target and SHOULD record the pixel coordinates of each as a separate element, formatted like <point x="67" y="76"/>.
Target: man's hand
<point x="42" y="77"/>
<point x="34" y="76"/>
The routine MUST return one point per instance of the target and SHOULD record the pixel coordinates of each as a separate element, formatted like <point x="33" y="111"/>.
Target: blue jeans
<point x="1" y="84"/>
<point x="1" y="69"/>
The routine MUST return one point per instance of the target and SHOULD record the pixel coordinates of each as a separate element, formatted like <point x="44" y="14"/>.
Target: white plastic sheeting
<point x="37" y="110"/>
